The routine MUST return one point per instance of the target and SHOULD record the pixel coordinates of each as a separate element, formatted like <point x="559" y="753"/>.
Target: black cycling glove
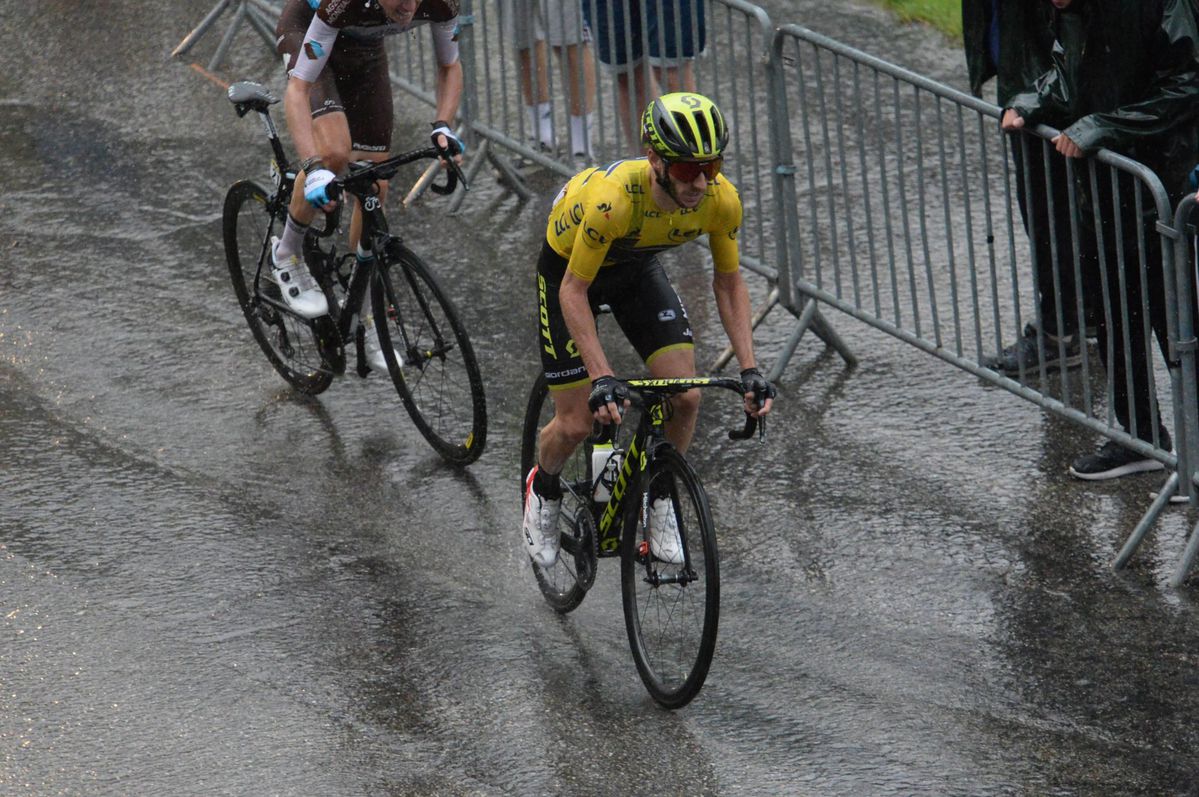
<point x="752" y="381"/>
<point x="454" y="146"/>
<point x="607" y="390"/>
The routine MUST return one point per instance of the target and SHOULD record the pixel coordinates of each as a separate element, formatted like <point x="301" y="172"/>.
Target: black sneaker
<point x="1027" y="351"/>
<point x="1113" y="461"/>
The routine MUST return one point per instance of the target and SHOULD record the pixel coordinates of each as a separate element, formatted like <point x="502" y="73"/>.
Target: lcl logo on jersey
<point x="682" y="236"/>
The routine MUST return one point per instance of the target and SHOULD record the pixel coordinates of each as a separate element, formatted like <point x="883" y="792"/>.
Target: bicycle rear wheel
<point x="565" y="584"/>
<point x="671" y="611"/>
<point x="439" y="380"/>
<point x="291" y="343"/>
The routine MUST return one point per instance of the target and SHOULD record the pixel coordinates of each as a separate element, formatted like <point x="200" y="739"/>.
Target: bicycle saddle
<point x="250" y="96"/>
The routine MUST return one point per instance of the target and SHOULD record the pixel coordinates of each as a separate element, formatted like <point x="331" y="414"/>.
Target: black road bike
<point x="435" y="374"/>
<point x="670" y="610"/>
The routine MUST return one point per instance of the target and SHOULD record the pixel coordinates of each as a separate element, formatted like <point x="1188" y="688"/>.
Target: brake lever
<point x="751" y="424"/>
<point x="454" y="175"/>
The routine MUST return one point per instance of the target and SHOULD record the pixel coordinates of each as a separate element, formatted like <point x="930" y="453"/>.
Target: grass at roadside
<point x="944" y="15"/>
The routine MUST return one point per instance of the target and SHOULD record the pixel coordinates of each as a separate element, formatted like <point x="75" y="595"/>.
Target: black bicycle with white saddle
<point x="422" y="340"/>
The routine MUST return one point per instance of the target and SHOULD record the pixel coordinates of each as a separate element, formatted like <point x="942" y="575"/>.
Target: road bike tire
<point x="565" y="584"/>
<point x="439" y="381"/>
<point x="672" y="625"/>
<point x="292" y="344"/>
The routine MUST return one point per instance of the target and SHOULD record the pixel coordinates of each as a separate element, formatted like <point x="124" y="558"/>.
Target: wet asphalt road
<point x="210" y="585"/>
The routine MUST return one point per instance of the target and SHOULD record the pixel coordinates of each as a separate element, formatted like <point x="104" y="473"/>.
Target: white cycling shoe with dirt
<point x="540" y="525"/>
<point x="373" y="351"/>
<point x="299" y="288"/>
<point x="663" y="532"/>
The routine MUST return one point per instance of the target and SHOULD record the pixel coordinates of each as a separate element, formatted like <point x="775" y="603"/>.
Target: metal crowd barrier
<point x="899" y="200"/>
<point x="867" y="188"/>
<point x="1186" y="276"/>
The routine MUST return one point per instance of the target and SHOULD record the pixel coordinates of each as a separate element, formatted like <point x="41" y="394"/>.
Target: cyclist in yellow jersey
<point x="604" y="232"/>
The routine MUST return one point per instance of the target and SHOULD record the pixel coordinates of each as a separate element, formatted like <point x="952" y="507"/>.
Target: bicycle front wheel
<point x="565" y="583"/>
<point x="290" y="343"/>
<point x="439" y="380"/>
<point x="671" y="610"/>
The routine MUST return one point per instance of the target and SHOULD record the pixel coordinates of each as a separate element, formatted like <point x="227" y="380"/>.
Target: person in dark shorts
<point x="633" y="35"/>
<point x="603" y="237"/>
<point x="339" y="109"/>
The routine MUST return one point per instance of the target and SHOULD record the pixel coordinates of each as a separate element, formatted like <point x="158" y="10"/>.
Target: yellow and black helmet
<point x="684" y="126"/>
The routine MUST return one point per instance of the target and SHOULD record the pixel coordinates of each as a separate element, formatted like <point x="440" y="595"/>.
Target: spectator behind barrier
<point x="1125" y="77"/>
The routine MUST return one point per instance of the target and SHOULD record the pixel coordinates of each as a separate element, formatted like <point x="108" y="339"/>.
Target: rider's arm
<point x="310" y="61"/>
<point x="732" y="302"/>
<point x="299" y="117"/>
<point x="448" y="88"/>
<point x="732" y="297"/>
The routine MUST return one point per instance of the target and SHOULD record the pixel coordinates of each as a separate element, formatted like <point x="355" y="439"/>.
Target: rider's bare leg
<point x="678" y="363"/>
<point x="567" y="429"/>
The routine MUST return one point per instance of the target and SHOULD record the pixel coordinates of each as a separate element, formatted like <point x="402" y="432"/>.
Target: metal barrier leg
<point x="472" y="171"/>
<point x="810" y="317"/>
<point x="190" y="39"/>
<point x="801" y="326"/>
<point x="1188" y="558"/>
<point x="1150" y="517"/>
<point x="227" y="39"/>
<point x="262" y="25"/>
<point x="824" y="330"/>
<point x="508" y="176"/>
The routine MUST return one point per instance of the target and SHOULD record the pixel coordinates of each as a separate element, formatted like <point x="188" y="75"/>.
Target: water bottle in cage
<point x="605" y="466"/>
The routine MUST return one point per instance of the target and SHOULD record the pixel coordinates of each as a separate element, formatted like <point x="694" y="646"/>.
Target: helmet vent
<point x="686" y="130"/>
<point x="705" y="133"/>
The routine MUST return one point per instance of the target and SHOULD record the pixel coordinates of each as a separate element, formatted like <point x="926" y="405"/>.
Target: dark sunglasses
<point x="687" y="171"/>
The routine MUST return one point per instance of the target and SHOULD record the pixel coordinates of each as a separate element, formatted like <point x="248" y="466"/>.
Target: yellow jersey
<point x="605" y="217"/>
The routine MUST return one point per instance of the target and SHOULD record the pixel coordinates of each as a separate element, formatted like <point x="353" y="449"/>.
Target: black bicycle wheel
<point x="291" y="343"/>
<point x="439" y="380"/>
<point x="671" y="610"/>
<point x="565" y="584"/>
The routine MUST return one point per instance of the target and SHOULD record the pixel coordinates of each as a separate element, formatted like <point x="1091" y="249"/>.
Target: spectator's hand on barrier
<point x="1067" y="147"/>
<point x="316" y="189"/>
<point x="759" y="393"/>
<point x="608" y="400"/>
<point x="443" y="138"/>
<point x="1011" y="120"/>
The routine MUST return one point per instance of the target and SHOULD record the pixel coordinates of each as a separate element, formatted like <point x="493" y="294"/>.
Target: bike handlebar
<point x="361" y="177"/>
<point x="658" y="389"/>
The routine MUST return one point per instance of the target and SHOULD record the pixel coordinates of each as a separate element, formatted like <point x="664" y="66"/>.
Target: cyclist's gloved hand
<point x="753" y="382"/>
<point x="453" y="145"/>
<point x="607" y="390"/>
<point x="316" y="187"/>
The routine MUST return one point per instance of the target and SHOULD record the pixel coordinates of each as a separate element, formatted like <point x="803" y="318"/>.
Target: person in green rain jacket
<point x="1011" y="40"/>
<point x="1125" y="77"/>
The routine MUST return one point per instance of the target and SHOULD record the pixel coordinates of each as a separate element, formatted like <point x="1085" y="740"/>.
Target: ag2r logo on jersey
<point x="313" y="49"/>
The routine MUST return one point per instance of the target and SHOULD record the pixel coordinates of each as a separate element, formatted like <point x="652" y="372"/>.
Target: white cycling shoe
<point x="299" y="288"/>
<point x="663" y="532"/>
<point x="372" y="350"/>
<point x="540" y="525"/>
